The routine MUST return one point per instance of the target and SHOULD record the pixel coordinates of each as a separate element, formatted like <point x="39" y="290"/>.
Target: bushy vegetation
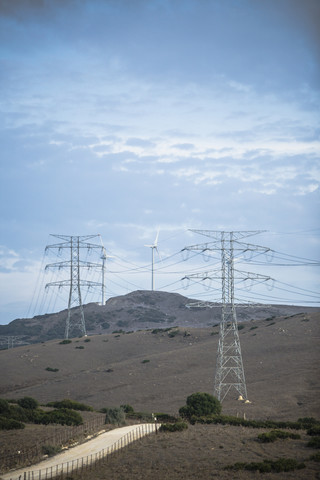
<point x="274" y="435"/>
<point x="70" y="404"/>
<point x="314" y="442"/>
<point x="10" y="424"/>
<point x="268" y="466"/>
<point x="65" y="341"/>
<point x="49" y="369"/>
<point x="27" y="411"/>
<point x="28" y="402"/>
<point x="200" y="404"/>
<point x="114" y="416"/>
<point x="127" y="408"/>
<point x="313" y="431"/>
<point x="230" y="420"/>
<point x="173" y="427"/>
<point x="62" y="416"/>
<point x="50" y="450"/>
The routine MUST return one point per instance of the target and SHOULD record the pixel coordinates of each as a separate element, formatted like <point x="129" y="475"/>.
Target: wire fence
<point x="61" y="437"/>
<point x="82" y="465"/>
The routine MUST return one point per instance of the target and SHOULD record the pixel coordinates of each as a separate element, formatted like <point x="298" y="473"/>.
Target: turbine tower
<point x="153" y="247"/>
<point x="229" y="373"/>
<point x="75" y="265"/>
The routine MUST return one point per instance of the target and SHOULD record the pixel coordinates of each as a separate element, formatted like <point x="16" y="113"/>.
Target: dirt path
<point x="82" y="454"/>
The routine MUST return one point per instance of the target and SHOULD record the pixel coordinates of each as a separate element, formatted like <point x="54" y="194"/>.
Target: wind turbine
<point x="153" y="247"/>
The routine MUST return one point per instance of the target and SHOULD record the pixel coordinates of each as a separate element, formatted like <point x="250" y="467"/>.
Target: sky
<point x="125" y="118"/>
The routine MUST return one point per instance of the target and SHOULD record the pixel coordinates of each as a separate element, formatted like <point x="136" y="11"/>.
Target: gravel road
<point x="48" y="467"/>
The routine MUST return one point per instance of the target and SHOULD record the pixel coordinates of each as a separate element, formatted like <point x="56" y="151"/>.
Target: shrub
<point x="308" y="422"/>
<point x="315" y="430"/>
<point x="28" y="402"/>
<point x="127" y="409"/>
<point x="173" y="427"/>
<point x="10" y="424"/>
<point x="173" y="334"/>
<point x="81" y="347"/>
<point x="314" y="442"/>
<point x="65" y="341"/>
<point x="87" y="340"/>
<point x="50" y="450"/>
<point x="200" y="404"/>
<point x="4" y="406"/>
<point x="315" y="457"/>
<point x="61" y="416"/>
<point x="114" y="415"/>
<point x="70" y="404"/>
<point x="49" y="369"/>
<point x="272" y="436"/>
<point x="165" y="417"/>
<point x="145" y="361"/>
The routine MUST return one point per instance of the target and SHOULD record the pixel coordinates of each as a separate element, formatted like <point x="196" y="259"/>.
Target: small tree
<point x="200" y="405"/>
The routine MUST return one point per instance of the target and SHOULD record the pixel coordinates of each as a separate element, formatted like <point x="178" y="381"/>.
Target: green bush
<point x="145" y="361"/>
<point x="81" y="347"/>
<point x="308" y="422"/>
<point x="10" y="424"/>
<point x="173" y="427"/>
<point x="28" y="403"/>
<point x="315" y="430"/>
<point x="230" y="420"/>
<point x="165" y="417"/>
<point x="4" y="406"/>
<point x="275" y="435"/>
<point x="127" y="409"/>
<point x="65" y="341"/>
<point x="173" y="334"/>
<point x="70" y="404"/>
<point x="315" y="457"/>
<point x="314" y="442"/>
<point x="50" y="450"/>
<point x="200" y="404"/>
<point x="87" y="340"/>
<point x="49" y="369"/>
<point x="115" y="416"/>
<point x="61" y="416"/>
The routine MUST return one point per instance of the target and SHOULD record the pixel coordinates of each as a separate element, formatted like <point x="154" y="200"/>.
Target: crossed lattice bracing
<point x="229" y="375"/>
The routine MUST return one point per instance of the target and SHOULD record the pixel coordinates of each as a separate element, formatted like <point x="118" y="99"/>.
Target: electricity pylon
<point x="75" y="265"/>
<point x="229" y="373"/>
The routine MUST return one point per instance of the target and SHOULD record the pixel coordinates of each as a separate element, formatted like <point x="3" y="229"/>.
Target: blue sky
<point x="124" y="117"/>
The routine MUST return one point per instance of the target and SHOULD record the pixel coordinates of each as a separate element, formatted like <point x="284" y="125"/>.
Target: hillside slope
<point x="157" y="371"/>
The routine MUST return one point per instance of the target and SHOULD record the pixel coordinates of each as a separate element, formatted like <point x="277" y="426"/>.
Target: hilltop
<point x="139" y="310"/>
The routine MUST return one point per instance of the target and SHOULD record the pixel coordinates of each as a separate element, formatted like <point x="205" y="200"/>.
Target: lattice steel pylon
<point x="75" y="264"/>
<point x="229" y="373"/>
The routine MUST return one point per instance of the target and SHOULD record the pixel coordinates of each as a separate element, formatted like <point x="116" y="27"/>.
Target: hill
<point x="156" y="370"/>
<point x="139" y="310"/>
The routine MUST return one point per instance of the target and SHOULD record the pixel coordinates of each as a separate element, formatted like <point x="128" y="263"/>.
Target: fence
<point x="63" y="470"/>
<point x="61" y="437"/>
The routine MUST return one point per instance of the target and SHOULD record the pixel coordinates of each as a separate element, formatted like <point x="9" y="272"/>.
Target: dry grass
<point x="201" y="452"/>
<point x="281" y="359"/>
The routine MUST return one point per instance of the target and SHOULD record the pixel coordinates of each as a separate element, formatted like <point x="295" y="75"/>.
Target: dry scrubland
<point x="155" y="372"/>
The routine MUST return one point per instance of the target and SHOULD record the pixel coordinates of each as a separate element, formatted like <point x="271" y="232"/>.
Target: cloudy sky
<point x="122" y="117"/>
